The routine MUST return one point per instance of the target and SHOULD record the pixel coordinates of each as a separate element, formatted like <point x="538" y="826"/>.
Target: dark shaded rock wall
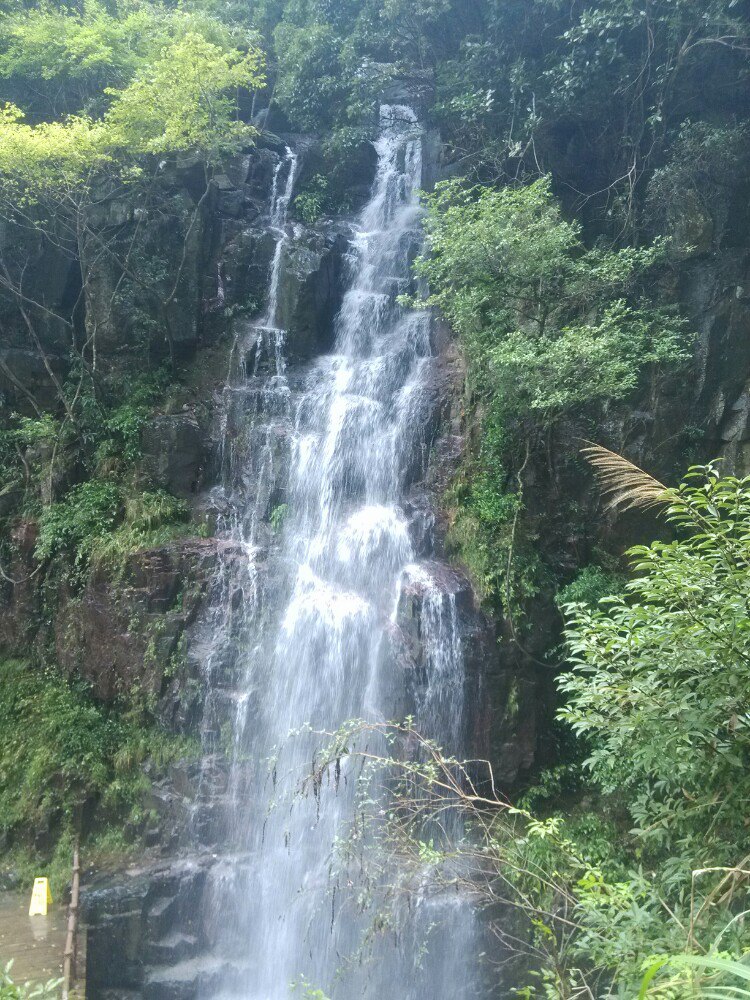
<point x="211" y="238"/>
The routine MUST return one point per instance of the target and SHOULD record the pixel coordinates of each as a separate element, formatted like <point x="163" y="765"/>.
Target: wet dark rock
<point x="123" y="631"/>
<point x="174" y="453"/>
<point x="247" y="263"/>
<point x="144" y="927"/>
<point x="177" y="239"/>
<point x="259" y="173"/>
<point x="310" y="291"/>
<point x="414" y="89"/>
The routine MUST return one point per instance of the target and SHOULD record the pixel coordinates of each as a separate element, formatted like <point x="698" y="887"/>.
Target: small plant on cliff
<point x="101" y="520"/>
<point x="278" y="516"/>
<point x="310" y="202"/>
<point x="590" y="585"/>
<point x="151" y="518"/>
<point x="18" y="440"/>
<point x="73" y="525"/>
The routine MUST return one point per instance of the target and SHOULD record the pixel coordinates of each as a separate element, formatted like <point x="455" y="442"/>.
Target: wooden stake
<point x="70" y="955"/>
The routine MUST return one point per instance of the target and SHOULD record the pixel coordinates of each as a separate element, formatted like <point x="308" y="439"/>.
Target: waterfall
<point x="279" y="206"/>
<point x="329" y="454"/>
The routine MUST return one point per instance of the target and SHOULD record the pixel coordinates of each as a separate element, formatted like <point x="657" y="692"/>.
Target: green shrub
<point x="310" y="202"/>
<point x="545" y="322"/>
<point x="151" y="518"/>
<point x="24" y="433"/>
<point x="11" y="990"/>
<point x="73" y="525"/>
<point x="590" y="585"/>
<point x="660" y="678"/>
<point x="59" y="748"/>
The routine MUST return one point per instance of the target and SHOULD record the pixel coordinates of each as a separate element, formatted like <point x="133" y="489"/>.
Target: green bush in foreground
<point x="11" y="990"/>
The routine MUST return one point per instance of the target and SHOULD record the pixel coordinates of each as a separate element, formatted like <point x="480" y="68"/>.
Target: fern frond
<point x="626" y="484"/>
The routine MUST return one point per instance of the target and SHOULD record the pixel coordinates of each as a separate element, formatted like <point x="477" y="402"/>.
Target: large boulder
<point x="145" y="934"/>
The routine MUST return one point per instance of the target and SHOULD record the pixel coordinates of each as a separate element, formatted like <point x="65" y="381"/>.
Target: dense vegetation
<point x="592" y="150"/>
<point x="634" y="852"/>
<point x="550" y="330"/>
<point x="61" y="751"/>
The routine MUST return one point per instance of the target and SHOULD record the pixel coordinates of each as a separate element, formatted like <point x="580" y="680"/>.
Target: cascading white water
<point x="279" y="206"/>
<point x="353" y="431"/>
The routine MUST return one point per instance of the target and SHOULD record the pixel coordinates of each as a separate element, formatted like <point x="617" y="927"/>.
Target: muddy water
<point x="35" y="944"/>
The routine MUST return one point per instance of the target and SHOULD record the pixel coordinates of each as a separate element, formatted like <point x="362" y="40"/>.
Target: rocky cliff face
<point x="148" y="626"/>
<point x="149" y="932"/>
<point x="214" y="239"/>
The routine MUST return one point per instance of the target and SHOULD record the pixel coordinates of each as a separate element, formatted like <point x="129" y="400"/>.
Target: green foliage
<point x="551" y="329"/>
<point x="180" y="102"/>
<point x="66" y="58"/>
<point x="714" y="977"/>
<point x="484" y="530"/>
<point x="584" y="365"/>
<point x="99" y="91"/>
<point x="311" y="82"/>
<point x="24" y="436"/>
<point x="58" y="748"/>
<point x="485" y="535"/>
<point x="686" y="194"/>
<point x="63" y="60"/>
<point x="659" y="681"/>
<point x="311" y="200"/>
<point x="99" y="520"/>
<point x="185" y="101"/>
<point x="278" y="516"/>
<point x="307" y="991"/>
<point x="543" y="319"/>
<point x="73" y="525"/>
<point x="113" y="422"/>
<point x="11" y="990"/>
<point x="609" y="80"/>
<point x="150" y="519"/>
<point x="590" y="585"/>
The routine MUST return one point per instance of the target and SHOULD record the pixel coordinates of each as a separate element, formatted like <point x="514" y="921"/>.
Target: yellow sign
<point x="41" y="897"/>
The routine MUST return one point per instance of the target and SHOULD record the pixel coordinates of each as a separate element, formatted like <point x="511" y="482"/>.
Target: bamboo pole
<point x="70" y="955"/>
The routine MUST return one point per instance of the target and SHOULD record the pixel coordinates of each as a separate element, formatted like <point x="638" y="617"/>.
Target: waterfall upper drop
<point x="331" y="453"/>
<point x="279" y="206"/>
